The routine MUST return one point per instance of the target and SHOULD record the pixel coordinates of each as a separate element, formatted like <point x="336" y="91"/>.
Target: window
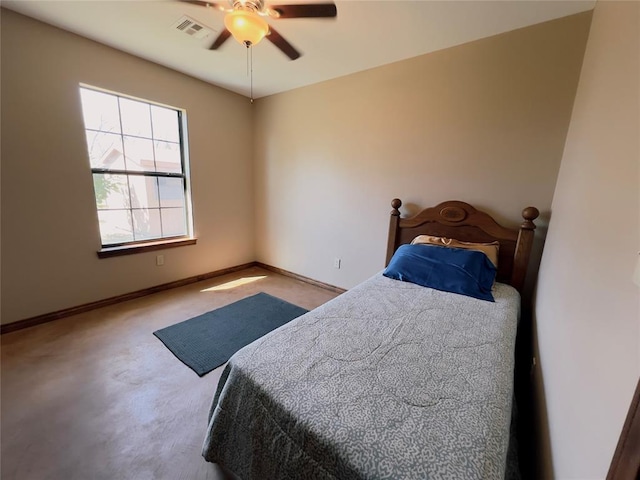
<point x="138" y="162"/>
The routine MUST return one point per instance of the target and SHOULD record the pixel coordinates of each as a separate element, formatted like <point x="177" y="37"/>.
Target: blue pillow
<point x="456" y="270"/>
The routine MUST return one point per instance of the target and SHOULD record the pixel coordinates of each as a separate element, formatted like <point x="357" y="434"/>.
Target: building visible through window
<point x="138" y="160"/>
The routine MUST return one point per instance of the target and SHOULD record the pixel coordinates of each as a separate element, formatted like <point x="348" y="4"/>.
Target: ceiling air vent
<point x="191" y="27"/>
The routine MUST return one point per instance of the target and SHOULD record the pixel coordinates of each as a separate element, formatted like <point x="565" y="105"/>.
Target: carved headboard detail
<point x="459" y="220"/>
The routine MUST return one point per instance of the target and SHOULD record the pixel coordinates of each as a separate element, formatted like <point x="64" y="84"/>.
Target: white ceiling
<point x="366" y="34"/>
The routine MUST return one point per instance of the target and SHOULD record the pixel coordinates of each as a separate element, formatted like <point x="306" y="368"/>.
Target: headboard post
<point x="523" y="247"/>
<point x="396" y="203"/>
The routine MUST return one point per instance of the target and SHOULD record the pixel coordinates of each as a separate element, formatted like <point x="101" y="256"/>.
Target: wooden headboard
<point x="459" y="220"/>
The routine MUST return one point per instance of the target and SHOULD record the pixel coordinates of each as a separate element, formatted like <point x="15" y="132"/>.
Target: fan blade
<point x="308" y="10"/>
<point x="204" y="4"/>
<point x="221" y="39"/>
<point x="277" y="39"/>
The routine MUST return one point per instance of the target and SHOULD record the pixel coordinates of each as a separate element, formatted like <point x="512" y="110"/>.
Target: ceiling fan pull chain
<point x="247" y="44"/>
<point x="251" y="70"/>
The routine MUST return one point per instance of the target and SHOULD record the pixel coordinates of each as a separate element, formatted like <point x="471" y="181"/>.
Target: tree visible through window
<point x="137" y="157"/>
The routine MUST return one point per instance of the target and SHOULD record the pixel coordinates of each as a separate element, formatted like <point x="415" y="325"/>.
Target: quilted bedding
<point x="389" y="380"/>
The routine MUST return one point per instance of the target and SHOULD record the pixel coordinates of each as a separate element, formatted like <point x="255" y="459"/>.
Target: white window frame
<point x="156" y="243"/>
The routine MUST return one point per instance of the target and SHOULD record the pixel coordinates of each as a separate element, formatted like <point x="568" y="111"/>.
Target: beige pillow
<point x="489" y="249"/>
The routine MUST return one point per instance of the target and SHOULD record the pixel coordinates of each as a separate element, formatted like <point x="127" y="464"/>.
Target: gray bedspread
<point x="389" y="380"/>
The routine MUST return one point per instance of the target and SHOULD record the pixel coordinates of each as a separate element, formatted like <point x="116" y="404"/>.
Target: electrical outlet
<point x="336" y="263"/>
<point x="159" y="260"/>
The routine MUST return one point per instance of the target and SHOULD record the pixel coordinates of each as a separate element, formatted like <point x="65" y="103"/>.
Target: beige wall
<point x="483" y="122"/>
<point x="49" y="225"/>
<point x="588" y="316"/>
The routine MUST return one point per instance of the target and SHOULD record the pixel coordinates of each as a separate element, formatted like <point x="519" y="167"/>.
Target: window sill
<point x="109" y="252"/>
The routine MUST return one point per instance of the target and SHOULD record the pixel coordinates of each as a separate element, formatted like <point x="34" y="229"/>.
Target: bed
<point x="389" y="380"/>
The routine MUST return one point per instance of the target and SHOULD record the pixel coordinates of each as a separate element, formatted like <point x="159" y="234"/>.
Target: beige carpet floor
<point x="98" y="396"/>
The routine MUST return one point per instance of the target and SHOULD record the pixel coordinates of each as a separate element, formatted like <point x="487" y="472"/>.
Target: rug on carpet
<point x="207" y="341"/>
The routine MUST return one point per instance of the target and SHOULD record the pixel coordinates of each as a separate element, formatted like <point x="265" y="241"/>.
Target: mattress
<point x="389" y="380"/>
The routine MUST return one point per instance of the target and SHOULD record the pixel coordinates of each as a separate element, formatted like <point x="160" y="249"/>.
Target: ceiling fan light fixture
<point x="246" y="26"/>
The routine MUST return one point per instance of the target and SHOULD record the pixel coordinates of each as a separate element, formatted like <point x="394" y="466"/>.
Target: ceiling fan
<point x="244" y="20"/>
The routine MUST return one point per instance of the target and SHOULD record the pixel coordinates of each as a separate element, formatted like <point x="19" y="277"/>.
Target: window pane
<point x="115" y="226"/>
<point x="171" y="192"/>
<point x="165" y="124"/>
<point x="105" y="150"/>
<point x="173" y="222"/>
<point x="112" y="191"/>
<point x="168" y="157"/>
<point x="146" y="224"/>
<point x="144" y="192"/>
<point x="100" y="111"/>
<point x="139" y="154"/>
<point x="136" y="118"/>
